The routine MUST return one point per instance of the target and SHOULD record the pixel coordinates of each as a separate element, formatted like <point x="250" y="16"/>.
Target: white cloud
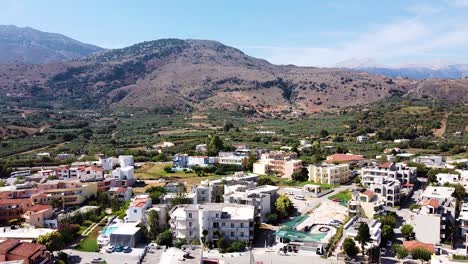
<point x="397" y="42"/>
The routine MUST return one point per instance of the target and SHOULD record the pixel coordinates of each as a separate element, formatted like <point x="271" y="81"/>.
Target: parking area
<point x="172" y="255"/>
<point x="114" y="257"/>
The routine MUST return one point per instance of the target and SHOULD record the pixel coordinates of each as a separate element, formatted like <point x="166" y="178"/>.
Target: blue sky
<point x="308" y="33"/>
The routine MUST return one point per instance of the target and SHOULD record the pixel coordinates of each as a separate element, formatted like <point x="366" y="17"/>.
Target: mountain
<point x="419" y="73"/>
<point x="28" y="45"/>
<point x="180" y="75"/>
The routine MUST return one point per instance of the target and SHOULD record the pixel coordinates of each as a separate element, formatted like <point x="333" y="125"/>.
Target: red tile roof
<point x="121" y="190"/>
<point x="14" y="201"/>
<point x="432" y="202"/>
<point x="368" y="193"/>
<point x="410" y="245"/>
<point x="26" y="249"/>
<point x="386" y="165"/>
<point x="39" y="207"/>
<point x="7" y="245"/>
<point x="343" y="158"/>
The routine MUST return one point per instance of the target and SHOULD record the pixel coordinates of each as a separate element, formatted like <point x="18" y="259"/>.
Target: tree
<point x="69" y="137"/>
<point x="155" y="193"/>
<point x="407" y="231"/>
<point x="179" y="196"/>
<point x="215" y="145"/>
<point x="301" y="176"/>
<point x="53" y="241"/>
<point x="168" y="169"/>
<point x="265" y="180"/>
<point x="153" y="224"/>
<point x="164" y="238"/>
<point x="421" y="253"/>
<point x="387" y="233"/>
<point x="251" y="159"/>
<point x="323" y="133"/>
<point x="400" y="251"/>
<point x="363" y="237"/>
<point x="460" y="192"/>
<point x="283" y="206"/>
<point x="223" y="245"/>
<point x="350" y="247"/>
<point x="272" y="218"/>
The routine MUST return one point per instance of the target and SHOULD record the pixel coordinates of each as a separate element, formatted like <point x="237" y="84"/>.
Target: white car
<point x="110" y="249"/>
<point x="97" y="260"/>
<point x="299" y="197"/>
<point x="289" y="193"/>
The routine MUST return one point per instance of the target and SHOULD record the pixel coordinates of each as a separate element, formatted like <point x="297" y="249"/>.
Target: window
<point x="215" y="225"/>
<point x="190" y="233"/>
<point x="135" y="211"/>
<point x="232" y="234"/>
<point x="190" y="215"/>
<point x="223" y="224"/>
<point x="217" y="215"/>
<point x="232" y="225"/>
<point x="190" y="224"/>
<point x="242" y="225"/>
<point x="242" y="234"/>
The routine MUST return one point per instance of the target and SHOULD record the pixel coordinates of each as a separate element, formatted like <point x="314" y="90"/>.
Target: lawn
<point x="89" y="243"/>
<point x="341" y="196"/>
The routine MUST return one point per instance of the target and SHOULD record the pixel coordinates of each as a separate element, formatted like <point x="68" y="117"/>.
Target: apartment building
<point x="40" y="215"/>
<point x="122" y="194"/>
<point x="232" y="221"/>
<point x="82" y="173"/>
<point x="398" y="171"/>
<point x="13" y="208"/>
<point x="436" y="213"/>
<point x="278" y="162"/>
<point x="431" y="161"/>
<point x="261" y="198"/>
<point x="137" y="208"/>
<point x="329" y="173"/>
<point x="366" y="204"/>
<point x="216" y="188"/>
<point x="71" y="192"/>
<point x="463" y="220"/>
<point x="232" y="158"/>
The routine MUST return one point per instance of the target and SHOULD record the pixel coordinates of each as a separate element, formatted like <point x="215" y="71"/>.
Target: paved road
<point x="115" y="257"/>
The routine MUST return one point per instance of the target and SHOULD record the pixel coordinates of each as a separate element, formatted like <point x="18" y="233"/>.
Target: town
<point x="396" y="206"/>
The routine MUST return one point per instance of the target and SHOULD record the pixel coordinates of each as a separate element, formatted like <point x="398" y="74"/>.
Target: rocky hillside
<point x="173" y="74"/>
<point x="28" y="45"/>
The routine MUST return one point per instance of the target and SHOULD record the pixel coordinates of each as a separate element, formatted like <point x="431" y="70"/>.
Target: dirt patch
<point x="198" y="117"/>
<point x="440" y="131"/>
<point x="176" y="131"/>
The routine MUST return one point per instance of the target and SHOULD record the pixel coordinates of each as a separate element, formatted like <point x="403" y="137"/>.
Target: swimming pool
<point x="108" y="230"/>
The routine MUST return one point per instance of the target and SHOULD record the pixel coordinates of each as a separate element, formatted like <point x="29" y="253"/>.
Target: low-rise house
<point x="413" y="244"/>
<point x="170" y="198"/>
<point x="122" y="194"/>
<point x="43" y="155"/>
<point x="352" y="226"/>
<point x="329" y="173"/>
<point x="232" y="221"/>
<point x="232" y="158"/>
<point x="28" y="253"/>
<point x="40" y="215"/>
<point x="64" y="156"/>
<point x="173" y="187"/>
<point x="362" y="138"/>
<point x="354" y="160"/>
<point x="201" y="161"/>
<point x="366" y="204"/>
<point x="401" y="140"/>
<point x="180" y="161"/>
<point x="437" y="212"/>
<point x="126" y="161"/>
<point x="126" y="175"/>
<point x="107" y="163"/>
<point x="202" y="148"/>
<point x="431" y="161"/>
<point x="137" y="208"/>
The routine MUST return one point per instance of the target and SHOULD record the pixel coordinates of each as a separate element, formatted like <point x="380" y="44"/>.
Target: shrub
<point x="237" y="246"/>
<point x="421" y="253"/>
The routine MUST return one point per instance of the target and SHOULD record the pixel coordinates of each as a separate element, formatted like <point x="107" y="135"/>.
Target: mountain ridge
<point x="28" y="45"/>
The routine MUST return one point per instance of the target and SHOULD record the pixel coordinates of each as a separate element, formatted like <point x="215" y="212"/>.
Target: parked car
<point x="299" y="197"/>
<point x="110" y="249"/>
<point x="335" y="222"/>
<point x="289" y="193"/>
<point x="97" y="260"/>
<point x="118" y="248"/>
<point x="127" y="249"/>
<point x="383" y="251"/>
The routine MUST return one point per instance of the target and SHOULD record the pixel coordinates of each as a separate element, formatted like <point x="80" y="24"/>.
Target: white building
<point x="136" y="211"/>
<point x="121" y="193"/>
<point x="64" y="156"/>
<point x="362" y="138"/>
<point x="124" y="174"/>
<point x="366" y="204"/>
<point x="398" y="171"/>
<point x="329" y="173"/>
<point x="431" y="161"/>
<point x="351" y="229"/>
<point x="463" y="218"/>
<point x="436" y="213"/>
<point x="107" y="163"/>
<point x="126" y="161"/>
<point x="202" y="161"/>
<point x="232" y="221"/>
<point x="278" y="162"/>
<point x="202" y="148"/>
<point x="232" y="158"/>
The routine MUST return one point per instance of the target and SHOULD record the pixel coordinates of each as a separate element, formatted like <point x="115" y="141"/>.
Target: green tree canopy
<point x="349" y="247"/>
<point x="164" y="238"/>
<point x="363" y="237"/>
<point x="407" y="231"/>
<point x="53" y="241"/>
<point x="283" y="206"/>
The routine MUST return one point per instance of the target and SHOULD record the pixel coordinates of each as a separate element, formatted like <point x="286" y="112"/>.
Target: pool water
<point x="108" y="230"/>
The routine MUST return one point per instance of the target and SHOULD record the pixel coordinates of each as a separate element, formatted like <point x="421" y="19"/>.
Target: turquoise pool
<point x="108" y="230"/>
